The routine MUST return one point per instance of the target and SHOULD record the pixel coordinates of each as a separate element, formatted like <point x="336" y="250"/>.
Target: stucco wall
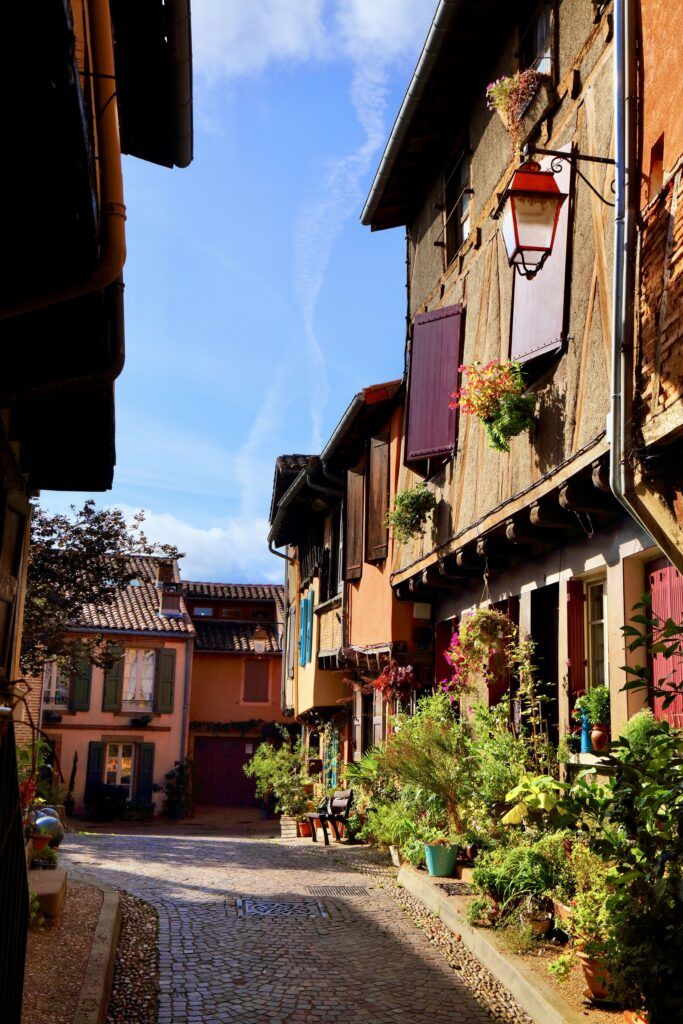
<point x="217" y="690"/>
<point x="316" y="687"/>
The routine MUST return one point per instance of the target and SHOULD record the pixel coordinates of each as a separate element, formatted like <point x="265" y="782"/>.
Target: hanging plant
<point x="409" y="513"/>
<point x="512" y="94"/>
<point x="495" y="394"/>
<point x="396" y="681"/>
<point x="480" y="637"/>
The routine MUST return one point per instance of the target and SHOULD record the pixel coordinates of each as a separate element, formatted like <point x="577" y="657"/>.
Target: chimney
<point x="170" y="591"/>
<point x="165" y="572"/>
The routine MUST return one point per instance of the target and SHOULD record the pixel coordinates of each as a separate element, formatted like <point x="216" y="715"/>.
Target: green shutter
<point x="95" y="770"/>
<point x="113" y="683"/>
<point x="80" y="686"/>
<point x="145" y="772"/>
<point x="164" y="681"/>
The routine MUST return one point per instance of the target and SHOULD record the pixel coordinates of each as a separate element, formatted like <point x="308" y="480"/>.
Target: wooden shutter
<point x="357" y="724"/>
<point x="95" y="769"/>
<point x="353" y="530"/>
<point x="164" y="681"/>
<point x="80" y="686"/>
<point x="143" y="789"/>
<point x="256" y="676"/>
<point x="538" y="305"/>
<point x="665" y="585"/>
<point x="113" y="683"/>
<point x="377" y="533"/>
<point x="309" y="628"/>
<point x="576" y="644"/>
<point x="434" y="362"/>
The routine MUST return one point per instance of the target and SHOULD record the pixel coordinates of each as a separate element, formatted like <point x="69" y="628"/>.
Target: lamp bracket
<point x="573" y="157"/>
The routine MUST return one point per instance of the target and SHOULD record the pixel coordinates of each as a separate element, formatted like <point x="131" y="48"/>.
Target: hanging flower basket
<point x="494" y="392"/>
<point x="481" y="637"/>
<point x="512" y="95"/>
<point x="410" y="511"/>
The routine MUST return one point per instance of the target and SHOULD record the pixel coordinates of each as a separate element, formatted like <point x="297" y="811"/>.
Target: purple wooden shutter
<point x="376" y="531"/>
<point x="576" y="645"/>
<point x="538" y="305"/>
<point x="434" y="361"/>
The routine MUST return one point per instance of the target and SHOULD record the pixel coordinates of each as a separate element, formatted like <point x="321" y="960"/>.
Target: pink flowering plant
<point x="512" y="94"/>
<point x="397" y="681"/>
<point x="481" y="637"/>
<point x="494" y="392"/>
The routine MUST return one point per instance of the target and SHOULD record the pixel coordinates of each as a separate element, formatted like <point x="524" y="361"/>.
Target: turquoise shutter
<point x="303" y="614"/>
<point x="113" y="683"/>
<point x="95" y="769"/>
<point x="145" y="772"/>
<point x="309" y="628"/>
<point x="164" y="681"/>
<point x="80" y="686"/>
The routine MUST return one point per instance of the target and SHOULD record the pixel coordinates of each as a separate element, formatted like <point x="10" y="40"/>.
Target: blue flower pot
<point x="441" y="860"/>
<point x="586" y="745"/>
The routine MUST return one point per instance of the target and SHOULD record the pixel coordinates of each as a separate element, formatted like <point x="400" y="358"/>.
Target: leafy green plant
<point x="639" y="731"/>
<point x="655" y="636"/>
<point x="281" y="772"/>
<point x="389" y="825"/>
<point x="533" y="797"/>
<point x="519" y="937"/>
<point x="481" y="911"/>
<point x="409" y="512"/>
<point x="35" y="917"/>
<point x="511" y="95"/>
<point x="177" y="789"/>
<point x="495" y="394"/>
<point x="513" y="875"/>
<point x="597" y="703"/>
<point x="561" y="967"/>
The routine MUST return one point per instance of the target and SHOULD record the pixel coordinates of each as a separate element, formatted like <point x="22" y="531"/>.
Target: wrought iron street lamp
<point x="260" y="639"/>
<point x="531" y="210"/>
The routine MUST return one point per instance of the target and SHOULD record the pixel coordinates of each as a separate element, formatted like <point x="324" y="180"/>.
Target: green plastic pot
<point x="441" y="860"/>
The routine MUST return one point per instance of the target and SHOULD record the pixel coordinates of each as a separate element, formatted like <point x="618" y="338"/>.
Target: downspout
<point x="112" y="208"/>
<point x="186" y="696"/>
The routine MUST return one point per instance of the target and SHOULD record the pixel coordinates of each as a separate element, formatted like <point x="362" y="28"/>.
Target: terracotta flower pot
<point x="40" y="841"/>
<point x="539" y="925"/>
<point x="599" y="736"/>
<point x="597" y="976"/>
<point x="304" y="829"/>
<point x="561" y="911"/>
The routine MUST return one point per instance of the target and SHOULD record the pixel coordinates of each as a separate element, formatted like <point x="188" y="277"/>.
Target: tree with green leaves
<point x="77" y="559"/>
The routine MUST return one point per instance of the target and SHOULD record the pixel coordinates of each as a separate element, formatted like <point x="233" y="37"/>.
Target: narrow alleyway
<point x="246" y="936"/>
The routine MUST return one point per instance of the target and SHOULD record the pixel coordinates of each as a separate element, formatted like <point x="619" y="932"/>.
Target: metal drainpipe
<point x="112" y="208"/>
<point x="625" y="222"/>
<point x="186" y="696"/>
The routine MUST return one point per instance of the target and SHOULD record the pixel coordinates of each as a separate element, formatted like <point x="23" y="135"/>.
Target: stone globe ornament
<point x="532" y="208"/>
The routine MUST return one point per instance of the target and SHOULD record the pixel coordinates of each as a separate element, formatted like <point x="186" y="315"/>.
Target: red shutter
<point x="353" y="539"/>
<point x="434" y="361"/>
<point x="665" y="585"/>
<point x="256" y="674"/>
<point x="376" y="539"/>
<point x="576" y="646"/>
<point x="538" y="306"/>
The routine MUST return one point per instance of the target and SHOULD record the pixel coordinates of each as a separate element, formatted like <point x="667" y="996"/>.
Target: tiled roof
<point x="292" y="463"/>
<point x="234" y="637"/>
<point x="234" y="591"/>
<point x="136" y="609"/>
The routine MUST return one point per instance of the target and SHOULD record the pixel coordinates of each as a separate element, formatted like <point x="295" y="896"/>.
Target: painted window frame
<point x="591" y="584"/>
<point x="457" y="207"/>
<point x="54" y="679"/>
<point x="138" y="704"/>
<point x="538" y="51"/>
<point x="108" y="745"/>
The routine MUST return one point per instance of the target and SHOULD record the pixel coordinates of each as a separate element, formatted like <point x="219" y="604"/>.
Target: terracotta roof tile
<point x="234" y="591"/>
<point x="234" y="637"/>
<point x="136" y="609"/>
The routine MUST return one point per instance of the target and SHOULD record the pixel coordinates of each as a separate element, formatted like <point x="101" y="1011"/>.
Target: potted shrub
<point x="597" y="709"/>
<point x="441" y="852"/>
<point x="281" y="773"/>
<point x="495" y="393"/>
<point x="410" y="511"/>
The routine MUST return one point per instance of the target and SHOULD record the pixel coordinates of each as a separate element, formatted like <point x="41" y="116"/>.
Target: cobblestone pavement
<point x="234" y="946"/>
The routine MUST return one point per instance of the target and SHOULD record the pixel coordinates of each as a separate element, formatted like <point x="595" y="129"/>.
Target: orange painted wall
<point x="662" y="31"/>
<point x="374" y="614"/>
<point x="216" y="694"/>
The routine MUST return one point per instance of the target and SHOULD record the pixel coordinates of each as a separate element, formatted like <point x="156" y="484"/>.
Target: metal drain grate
<point x="337" y="890"/>
<point x="280" y="908"/>
<point x="456" y="888"/>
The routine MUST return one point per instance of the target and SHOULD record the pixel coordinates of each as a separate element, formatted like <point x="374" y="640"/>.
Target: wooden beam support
<point x="548" y="517"/>
<point x="600" y="476"/>
<point x="575" y="497"/>
<point x="523" y="534"/>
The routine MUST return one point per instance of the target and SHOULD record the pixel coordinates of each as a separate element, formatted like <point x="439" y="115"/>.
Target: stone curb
<point x="93" y="1001"/>
<point x="537" y="999"/>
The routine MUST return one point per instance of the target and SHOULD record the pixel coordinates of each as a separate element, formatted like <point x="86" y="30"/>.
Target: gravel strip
<point x="135" y="990"/>
<point x="500" y="1004"/>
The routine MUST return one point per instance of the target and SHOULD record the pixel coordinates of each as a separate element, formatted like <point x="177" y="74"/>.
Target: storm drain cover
<point x="337" y="890"/>
<point x="456" y="888"/>
<point x="280" y="908"/>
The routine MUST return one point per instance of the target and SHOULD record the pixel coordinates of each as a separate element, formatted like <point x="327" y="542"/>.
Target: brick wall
<point x="661" y="314"/>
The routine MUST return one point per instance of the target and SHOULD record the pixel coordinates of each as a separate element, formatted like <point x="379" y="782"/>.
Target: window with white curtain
<point x="55" y="686"/>
<point x="138" y="678"/>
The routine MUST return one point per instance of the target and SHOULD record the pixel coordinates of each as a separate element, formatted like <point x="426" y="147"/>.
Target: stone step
<point x="50" y="888"/>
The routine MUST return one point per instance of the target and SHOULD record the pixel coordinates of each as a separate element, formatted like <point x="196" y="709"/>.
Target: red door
<point x="220" y="778"/>
<point x="665" y="584"/>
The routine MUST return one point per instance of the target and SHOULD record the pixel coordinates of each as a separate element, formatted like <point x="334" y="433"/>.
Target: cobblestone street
<point x="246" y="936"/>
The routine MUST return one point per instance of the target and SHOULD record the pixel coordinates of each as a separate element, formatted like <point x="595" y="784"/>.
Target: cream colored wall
<point x="78" y="729"/>
<point x="316" y="687"/>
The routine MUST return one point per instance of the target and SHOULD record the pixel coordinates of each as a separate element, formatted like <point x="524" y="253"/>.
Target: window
<point x="55" y="686"/>
<point x="457" y="194"/>
<point x="596" y="597"/>
<point x="203" y="613"/>
<point x="138" y="679"/>
<point x="536" y="50"/>
<point x="232" y="613"/>
<point x="118" y="766"/>
<point x="256" y="688"/>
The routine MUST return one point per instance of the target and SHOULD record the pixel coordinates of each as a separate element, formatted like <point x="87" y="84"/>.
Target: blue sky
<point x="256" y="303"/>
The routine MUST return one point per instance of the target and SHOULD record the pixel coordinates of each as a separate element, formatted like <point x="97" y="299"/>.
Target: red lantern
<point x="532" y="209"/>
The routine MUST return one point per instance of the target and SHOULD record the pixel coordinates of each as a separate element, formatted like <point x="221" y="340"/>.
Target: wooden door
<point x="220" y="762"/>
<point x="665" y="585"/>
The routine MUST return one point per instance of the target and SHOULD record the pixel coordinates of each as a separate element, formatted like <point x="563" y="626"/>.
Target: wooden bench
<point x="334" y="811"/>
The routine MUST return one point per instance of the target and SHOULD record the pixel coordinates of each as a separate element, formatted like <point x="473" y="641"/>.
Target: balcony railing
<point x="137" y="704"/>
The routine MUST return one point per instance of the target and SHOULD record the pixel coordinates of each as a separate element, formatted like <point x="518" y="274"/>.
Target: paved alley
<point x="255" y="931"/>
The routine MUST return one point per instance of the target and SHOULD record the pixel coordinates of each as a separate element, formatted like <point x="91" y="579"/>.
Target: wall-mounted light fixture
<point x="260" y="640"/>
